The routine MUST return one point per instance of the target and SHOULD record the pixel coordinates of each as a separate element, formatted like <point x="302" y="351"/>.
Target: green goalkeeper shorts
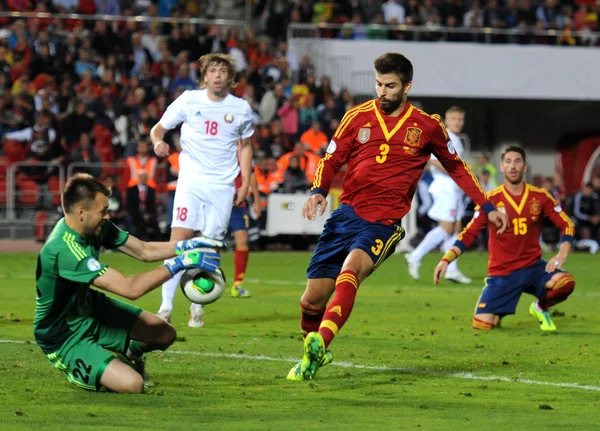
<point x="83" y="357"/>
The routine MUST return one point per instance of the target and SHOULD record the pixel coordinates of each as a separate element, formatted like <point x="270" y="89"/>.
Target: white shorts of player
<point x="448" y="202"/>
<point x="203" y="207"/>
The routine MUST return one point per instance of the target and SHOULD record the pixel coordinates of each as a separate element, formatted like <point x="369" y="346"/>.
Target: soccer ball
<point x="202" y="287"/>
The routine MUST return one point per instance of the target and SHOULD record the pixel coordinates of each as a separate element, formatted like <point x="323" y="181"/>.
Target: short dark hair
<point x="516" y="149"/>
<point x="81" y="189"/>
<point x="455" y="108"/>
<point x="589" y="185"/>
<point x="394" y="62"/>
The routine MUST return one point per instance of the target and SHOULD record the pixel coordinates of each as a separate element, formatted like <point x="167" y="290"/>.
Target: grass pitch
<point x="406" y="359"/>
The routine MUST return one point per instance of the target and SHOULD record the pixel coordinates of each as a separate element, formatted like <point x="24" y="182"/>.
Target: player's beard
<point x="518" y="180"/>
<point x="388" y="106"/>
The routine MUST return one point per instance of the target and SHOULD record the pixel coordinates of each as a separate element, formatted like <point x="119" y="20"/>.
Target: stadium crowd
<point x="88" y="91"/>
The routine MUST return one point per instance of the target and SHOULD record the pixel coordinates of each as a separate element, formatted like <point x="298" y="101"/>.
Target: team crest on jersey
<point x="229" y="118"/>
<point x="413" y="136"/>
<point x="93" y="264"/>
<point x="364" y="134"/>
<point x="535" y="208"/>
<point x="331" y="147"/>
<point x="451" y="149"/>
<point x="501" y="207"/>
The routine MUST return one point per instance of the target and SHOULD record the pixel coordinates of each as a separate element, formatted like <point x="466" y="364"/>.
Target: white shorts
<point x="448" y="205"/>
<point x="203" y="207"/>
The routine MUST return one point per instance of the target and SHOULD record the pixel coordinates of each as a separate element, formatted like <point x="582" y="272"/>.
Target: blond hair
<point x="208" y="60"/>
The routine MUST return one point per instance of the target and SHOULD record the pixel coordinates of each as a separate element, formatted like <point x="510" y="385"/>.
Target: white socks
<point x="432" y="240"/>
<point x="169" y="288"/>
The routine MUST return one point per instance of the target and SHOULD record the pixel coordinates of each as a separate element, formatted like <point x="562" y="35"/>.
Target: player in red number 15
<point x="386" y="143"/>
<point x="515" y="264"/>
<point x="215" y="147"/>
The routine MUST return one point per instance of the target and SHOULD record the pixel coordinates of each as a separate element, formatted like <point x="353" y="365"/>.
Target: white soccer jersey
<point x="209" y="135"/>
<point x="442" y="178"/>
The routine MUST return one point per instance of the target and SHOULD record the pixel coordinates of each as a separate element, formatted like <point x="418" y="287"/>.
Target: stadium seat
<point x="54" y="189"/>
<point x="14" y="151"/>
<point x="27" y="191"/>
<point x="3" y="194"/>
<point x="4" y="164"/>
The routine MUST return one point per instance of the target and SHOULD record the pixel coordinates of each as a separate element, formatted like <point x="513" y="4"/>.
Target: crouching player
<point x="76" y="326"/>
<point x="515" y="265"/>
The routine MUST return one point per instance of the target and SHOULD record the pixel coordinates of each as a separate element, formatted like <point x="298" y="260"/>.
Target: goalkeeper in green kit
<point x="78" y="327"/>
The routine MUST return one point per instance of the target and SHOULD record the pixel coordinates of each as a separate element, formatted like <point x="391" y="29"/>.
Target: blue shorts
<point x="501" y="293"/>
<point x="344" y="231"/>
<point x="240" y="219"/>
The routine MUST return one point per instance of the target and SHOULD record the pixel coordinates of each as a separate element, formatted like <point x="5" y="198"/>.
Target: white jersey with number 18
<point x="209" y="135"/>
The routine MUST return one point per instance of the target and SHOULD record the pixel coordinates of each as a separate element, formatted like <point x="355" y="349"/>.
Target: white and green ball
<point x="202" y="287"/>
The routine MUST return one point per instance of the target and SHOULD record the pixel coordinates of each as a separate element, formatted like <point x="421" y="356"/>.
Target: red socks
<point x="240" y="262"/>
<point x="561" y="290"/>
<point x="338" y="311"/>
<point x="310" y="319"/>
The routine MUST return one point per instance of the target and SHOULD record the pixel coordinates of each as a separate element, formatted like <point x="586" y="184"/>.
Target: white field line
<point x="465" y="376"/>
<point x="400" y="285"/>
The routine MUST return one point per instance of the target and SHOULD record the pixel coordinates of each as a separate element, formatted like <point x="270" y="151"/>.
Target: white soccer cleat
<point x="165" y="314"/>
<point x="457" y="277"/>
<point x="413" y="266"/>
<point x="196" y="317"/>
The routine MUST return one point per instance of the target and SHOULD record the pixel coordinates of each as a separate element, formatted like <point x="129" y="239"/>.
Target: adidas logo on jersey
<point x="198" y="114"/>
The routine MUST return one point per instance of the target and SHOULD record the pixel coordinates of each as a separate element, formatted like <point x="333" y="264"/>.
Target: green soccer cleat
<point x="546" y="324"/>
<point x="237" y="291"/>
<point x="314" y="351"/>
<point x="295" y="373"/>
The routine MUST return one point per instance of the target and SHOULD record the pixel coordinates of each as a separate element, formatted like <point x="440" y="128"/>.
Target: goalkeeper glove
<point x="197" y="242"/>
<point x="202" y="258"/>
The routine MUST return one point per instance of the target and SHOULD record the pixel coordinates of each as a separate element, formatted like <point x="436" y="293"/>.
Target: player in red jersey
<point x="386" y="143"/>
<point x="515" y="265"/>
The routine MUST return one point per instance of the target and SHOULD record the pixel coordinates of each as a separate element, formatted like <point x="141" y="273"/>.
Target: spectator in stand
<point x="308" y="161"/>
<point x="76" y="123"/>
<point x="294" y="178"/>
<point x="142" y="162"/>
<point x="586" y="212"/>
<point x="141" y="207"/>
<point x="85" y="153"/>
<point x="596" y="183"/>
<point x="85" y="64"/>
<point x="308" y="113"/>
<point x="393" y="12"/>
<point x="43" y="146"/>
<point x="484" y="180"/>
<point x="268" y="176"/>
<point x="107" y="7"/>
<point x="486" y="165"/>
<point x="116" y="209"/>
<point x="271" y="102"/>
<point x="314" y="139"/>
<point x="474" y="16"/>
<point x="172" y="176"/>
<point x="289" y="119"/>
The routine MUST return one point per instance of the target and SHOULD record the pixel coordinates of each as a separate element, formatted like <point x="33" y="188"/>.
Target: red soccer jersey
<point x="386" y="157"/>
<point x="518" y="247"/>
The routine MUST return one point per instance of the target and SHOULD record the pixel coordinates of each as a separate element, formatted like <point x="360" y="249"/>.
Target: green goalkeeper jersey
<point x="66" y="266"/>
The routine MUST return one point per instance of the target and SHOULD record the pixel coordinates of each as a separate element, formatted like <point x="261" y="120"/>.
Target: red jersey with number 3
<point x="386" y="157"/>
<point x="519" y="246"/>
